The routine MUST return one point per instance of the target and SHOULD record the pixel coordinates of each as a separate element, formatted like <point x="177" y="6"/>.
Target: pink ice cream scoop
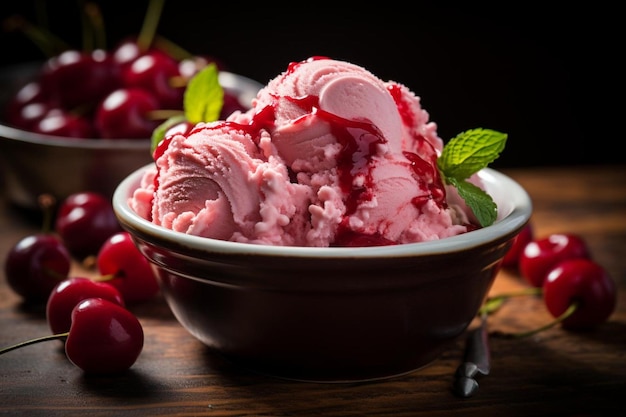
<point x="328" y="155"/>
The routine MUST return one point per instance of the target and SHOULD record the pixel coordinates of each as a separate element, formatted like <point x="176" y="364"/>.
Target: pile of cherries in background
<point x="119" y="93"/>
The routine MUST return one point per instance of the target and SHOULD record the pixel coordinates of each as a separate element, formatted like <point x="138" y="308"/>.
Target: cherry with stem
<point x="579" y="293"/>
<point x="104" y="337"/>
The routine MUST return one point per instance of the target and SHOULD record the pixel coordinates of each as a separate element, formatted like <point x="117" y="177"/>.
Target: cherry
<point x="59" y="122"/>
<point x="585" y="284"/>
<point x="512" y="256"/>
<point x="181" y="128"/>
<point x="126" y="52"/>
<point x="77" y="78"/>
<point x="153" y="71"/>
<point x="231" y="104"/>
<point x="104" y="337"/>
<point x="190" y="66"/>
<point x="35" y="265"/>
<point x="125" y="113"/>
<point x="84" y="221"/>
<point x="27" y="106"/>
<point x="68" y="293"/>
<point x="132" y="48"/>
<point x="28" y="116"/>
<point x="131" y="271"/>
<point x="541" y="255"/>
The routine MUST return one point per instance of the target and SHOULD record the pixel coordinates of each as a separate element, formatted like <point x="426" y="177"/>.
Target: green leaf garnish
<point x="477" y="200"/>
<point x="463" y="156"/>
<point x="204" y="96"/>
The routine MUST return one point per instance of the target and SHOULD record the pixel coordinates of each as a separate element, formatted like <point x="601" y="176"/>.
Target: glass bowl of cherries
<point x="82" y="121"/>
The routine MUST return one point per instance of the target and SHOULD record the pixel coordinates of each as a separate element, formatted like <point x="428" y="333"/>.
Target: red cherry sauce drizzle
<point x="359" y="142"/>
<point x="425" y="169"/>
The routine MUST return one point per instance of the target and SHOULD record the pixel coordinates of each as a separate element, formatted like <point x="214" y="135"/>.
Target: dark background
<point x="549" y="77"/>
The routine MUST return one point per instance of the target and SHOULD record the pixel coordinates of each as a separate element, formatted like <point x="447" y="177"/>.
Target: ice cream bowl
<point x="329" y="314"/>
<point x="32" y="164"/>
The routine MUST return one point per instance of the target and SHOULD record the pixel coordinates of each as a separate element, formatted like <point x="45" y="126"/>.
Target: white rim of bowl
<point x="515" y="220"/>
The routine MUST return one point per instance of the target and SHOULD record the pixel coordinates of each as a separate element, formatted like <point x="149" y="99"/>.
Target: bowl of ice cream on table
<point x="326" y="234"/>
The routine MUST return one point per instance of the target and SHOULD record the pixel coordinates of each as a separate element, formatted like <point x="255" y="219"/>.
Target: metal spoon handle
<point x="477" y="348"/>
<point x="477" y="360"/>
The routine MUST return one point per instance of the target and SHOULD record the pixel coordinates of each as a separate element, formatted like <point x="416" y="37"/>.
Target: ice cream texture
<point x="327" y="155"/>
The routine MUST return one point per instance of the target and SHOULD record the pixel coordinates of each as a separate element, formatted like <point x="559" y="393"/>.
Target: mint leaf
<point x="465" y="155"/>
<point x="204" y="96"/>
<point x="481" y="203"/>
<point x="471" y="151"/>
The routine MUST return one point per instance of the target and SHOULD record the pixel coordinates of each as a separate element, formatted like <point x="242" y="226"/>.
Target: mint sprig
<point x="202" y="102"/>
<point x="463" y="156"/>
<point x="204" y="96"/>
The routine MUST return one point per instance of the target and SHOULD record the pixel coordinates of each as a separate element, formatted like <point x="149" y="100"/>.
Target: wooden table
<point x="553" y="373"/>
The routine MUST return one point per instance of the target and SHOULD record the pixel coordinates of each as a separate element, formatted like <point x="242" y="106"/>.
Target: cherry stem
<point x="172" y="48"/>
<point x="150" y="23"/>
<point x="90" y="262"/>
<point x="163" y="114"/>
<point x="46" y="203"/>
<point x="87" y="29"/>
<point x="54" y="274"/>
<point x="178" y="81"/>
<point x="567" y="313"/>
<point x="94" y="36"/>
<point x="493" y="303"/>
<point x="104" y="278"/>
<point x="33" y="341"/>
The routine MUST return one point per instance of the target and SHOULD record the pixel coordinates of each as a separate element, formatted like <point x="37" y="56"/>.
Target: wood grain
<point x="553" y="373"/>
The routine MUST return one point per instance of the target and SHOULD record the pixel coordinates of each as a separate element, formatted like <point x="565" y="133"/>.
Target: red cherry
<point x="125" y="113"/>
<point x="586" y="283"/>
<point x="179" y="128"/>
<point x="126" y="52"/>
<point x="541" y="255"/>
<point x="28" y="106"/>
<point x="153" y="72"/>
<point x="30" y="92"/>
<point x="511" y="258"/>
<point x="132" y="272"/>
<point x="84" y="221"/>
<point x="59" y="122"/>
<point x="68" y="293"/>
<point x="78" y="78"/>
<point x="35" y="265"/>
<point x="188" y="67"/>
<point x="28" y="116"/>
<point x="104" y="337"/>
<point x="231" y="104"/>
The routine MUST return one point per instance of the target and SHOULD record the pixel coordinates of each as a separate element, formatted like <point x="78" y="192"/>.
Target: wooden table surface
<point x="555" y="373"/>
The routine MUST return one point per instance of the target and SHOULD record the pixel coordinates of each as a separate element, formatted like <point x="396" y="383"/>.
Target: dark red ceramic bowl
<point x="329" y="314"/>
